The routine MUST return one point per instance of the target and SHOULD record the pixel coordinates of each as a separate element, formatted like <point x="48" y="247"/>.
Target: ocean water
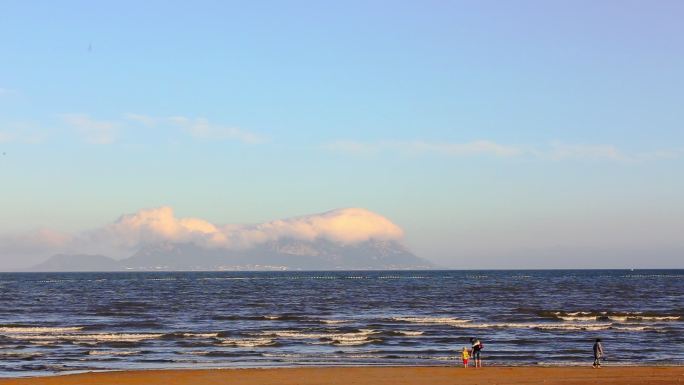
<point x="64" y="322"/>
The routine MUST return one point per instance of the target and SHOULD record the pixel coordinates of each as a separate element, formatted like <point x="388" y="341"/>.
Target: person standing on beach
<point x="465" y="355"/>
<point x="598" y="353"/>
<point x="475" y="352"/>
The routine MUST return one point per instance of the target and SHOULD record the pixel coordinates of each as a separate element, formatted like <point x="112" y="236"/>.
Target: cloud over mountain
<point x="149" y="226"/>
<point x="155" y="226"/>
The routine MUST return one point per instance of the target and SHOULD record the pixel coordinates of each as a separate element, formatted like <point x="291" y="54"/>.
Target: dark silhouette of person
<point x="598" y="353"/>
<point x="475" y="352"/>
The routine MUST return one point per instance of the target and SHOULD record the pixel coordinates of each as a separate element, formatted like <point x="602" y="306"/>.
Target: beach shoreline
<point x="367" y="375"/>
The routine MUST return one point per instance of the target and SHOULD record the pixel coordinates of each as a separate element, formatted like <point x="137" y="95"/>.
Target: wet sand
<point x="371" y="375"/>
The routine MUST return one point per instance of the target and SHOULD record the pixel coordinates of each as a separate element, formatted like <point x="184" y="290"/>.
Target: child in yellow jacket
<point x="465" y="355"/>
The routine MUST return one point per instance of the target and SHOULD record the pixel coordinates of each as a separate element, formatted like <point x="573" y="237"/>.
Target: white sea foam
<point x="295" y="334"/>
<point x="363" y="336"/>
<point x="348" y="338"/>
<point x="575" y="326"/>
<point x="556" y="326"/>
<point x="197" y="352"/>
<point x="200" y="335"/>
<point x="617" y="317"/>
<point x="635" y="328"/>
<point x="653" y="276"/>
<point x="357" y="356"/>
<point x="51" y="335"/>
<point x="247" y="342"/>
<point x="577" y="318"/>
<point x="38" y="329"/>
<point x="431" y="320"/>
<point x="410" y="332"/>
<point x="541" y="326"/>
<point x="97" y="337"/>
<point x="402" y="277"/>
<point x="353" y="342"/>
<point x="282" y="355"/>
<point x="646" y="318"/>
<point x="113" y="352"/>
<point x="333" y="321"/>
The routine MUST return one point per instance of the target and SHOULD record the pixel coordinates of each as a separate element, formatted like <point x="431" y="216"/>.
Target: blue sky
<point x="495" y="134"/>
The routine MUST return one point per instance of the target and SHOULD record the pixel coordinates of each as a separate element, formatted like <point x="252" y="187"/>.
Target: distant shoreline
<point x="395" y="375"/>
<point x="27" y="271"/>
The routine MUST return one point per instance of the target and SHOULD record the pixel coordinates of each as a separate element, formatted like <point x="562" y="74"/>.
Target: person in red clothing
<point x="465" y="354"/>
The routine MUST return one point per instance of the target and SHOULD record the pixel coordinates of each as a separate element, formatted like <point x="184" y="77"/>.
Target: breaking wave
<point x="247" y="342"/>
<point x="98" y="337"/>
<point x="360" y="337"/>
<point x="113" y="352"/>
<point x="410" y="332"/>
<point x="431" y="320"/>
<point x="38" y="329"/>
<point x="557" y="326"/>
<point x="610" y="316"/>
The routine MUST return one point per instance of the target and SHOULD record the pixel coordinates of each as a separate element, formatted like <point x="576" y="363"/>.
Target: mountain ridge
<point x="283" y="254"/>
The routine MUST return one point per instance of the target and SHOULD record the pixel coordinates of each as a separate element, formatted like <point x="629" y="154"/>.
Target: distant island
<point x="280" y="255"/>
<point x="342" y="239"/>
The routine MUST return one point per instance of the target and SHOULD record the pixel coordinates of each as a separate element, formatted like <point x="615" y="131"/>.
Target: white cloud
<point x="675" y="153"/>
<point x="105" y="132"/>
<point x="152" y="226"/>
<point x="17" y="250"/>
<point x="93" y="131"/>
<point x="474" y="148"/>
<point x="143" y="119"/>
<point x="201" y="128"/>
<point x="606" y="152"/>
<point x="353" y="147"/>
<point x="560" y="151"/>
<point x="348" y="226"/>
<point x="554" y="151"/>
<point x="478" y="147"/>
<point x="36" y="240"/>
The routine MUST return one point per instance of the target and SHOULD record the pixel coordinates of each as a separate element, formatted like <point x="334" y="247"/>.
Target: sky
<point x="493" y="134"/>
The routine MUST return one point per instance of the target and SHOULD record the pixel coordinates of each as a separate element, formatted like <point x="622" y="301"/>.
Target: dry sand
<point x="372" y="375"/>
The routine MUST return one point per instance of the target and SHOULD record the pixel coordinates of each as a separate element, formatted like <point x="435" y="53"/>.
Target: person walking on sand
<point x="465" y="355"/>
<point x="475" y="352"/>
<point x="598" y="353"/>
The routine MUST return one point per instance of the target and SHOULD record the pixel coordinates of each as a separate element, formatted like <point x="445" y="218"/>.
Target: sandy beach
<point x="371" y="375"/>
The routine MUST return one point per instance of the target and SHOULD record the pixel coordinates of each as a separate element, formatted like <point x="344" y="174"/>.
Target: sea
<point x="53" y="323"/>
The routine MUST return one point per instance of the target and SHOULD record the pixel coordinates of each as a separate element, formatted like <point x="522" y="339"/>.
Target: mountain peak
<point x="154" y="239"/>
<point x="285" y="254"/>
